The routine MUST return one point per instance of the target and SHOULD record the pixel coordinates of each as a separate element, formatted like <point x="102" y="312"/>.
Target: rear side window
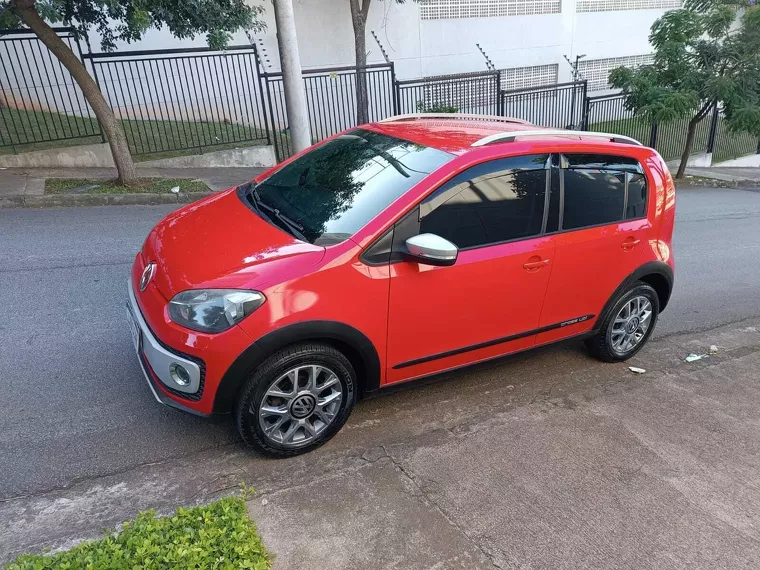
<point x="601" y="189"/>
<point x="490" y="203"/>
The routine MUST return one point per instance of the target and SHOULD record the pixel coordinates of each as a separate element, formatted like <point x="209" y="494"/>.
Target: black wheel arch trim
<point x="273" y="341"/>
<point x="650" y="268"/>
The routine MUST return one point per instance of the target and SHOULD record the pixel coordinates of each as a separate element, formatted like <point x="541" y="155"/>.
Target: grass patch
<point x="143" y="186"/>
<point x="219" y="535"/>
<point x="148" y="139"/>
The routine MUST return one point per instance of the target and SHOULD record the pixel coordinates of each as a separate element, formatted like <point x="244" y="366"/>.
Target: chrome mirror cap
<point x="431" y="249"/>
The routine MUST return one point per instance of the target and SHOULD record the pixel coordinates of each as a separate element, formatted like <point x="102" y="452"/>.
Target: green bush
<point x="216" y="536"/>
<point x="435" y="108"/>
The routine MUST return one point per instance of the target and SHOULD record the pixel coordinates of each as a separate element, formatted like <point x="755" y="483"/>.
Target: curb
<point x="717" y="183"/>
<point x="82" y="200"/>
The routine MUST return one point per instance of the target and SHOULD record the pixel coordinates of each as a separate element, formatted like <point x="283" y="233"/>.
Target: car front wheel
<point x="628" y="326"/>
<point x="296" y="400"/>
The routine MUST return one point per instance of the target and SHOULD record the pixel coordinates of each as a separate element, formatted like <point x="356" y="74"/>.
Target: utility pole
<point x="295" y="96"/>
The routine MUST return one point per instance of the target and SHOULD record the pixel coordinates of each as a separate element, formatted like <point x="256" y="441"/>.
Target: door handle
<point x="536" y="265"/>
<point x="630" y="243"/>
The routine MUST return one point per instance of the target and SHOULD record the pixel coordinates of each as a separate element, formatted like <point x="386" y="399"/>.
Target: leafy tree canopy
<point x="128" y="20"/>
<point x="706" y="53"/>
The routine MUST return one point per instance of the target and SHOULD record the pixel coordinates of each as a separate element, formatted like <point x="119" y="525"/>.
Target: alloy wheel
<point x="631" y="325"/>
<point x="299" y="405"/>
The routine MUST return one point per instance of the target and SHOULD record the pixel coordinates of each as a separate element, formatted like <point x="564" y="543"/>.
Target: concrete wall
<point x="99" y="156"/>
<point x="433" y="47"/>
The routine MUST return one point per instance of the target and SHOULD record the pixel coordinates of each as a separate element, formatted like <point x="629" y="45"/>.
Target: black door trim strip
<point x="493" y="342"/>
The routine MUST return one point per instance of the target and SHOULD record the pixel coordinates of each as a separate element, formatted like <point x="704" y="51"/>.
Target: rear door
<point x="489" y="302"/>
<point x="602" y="236"/>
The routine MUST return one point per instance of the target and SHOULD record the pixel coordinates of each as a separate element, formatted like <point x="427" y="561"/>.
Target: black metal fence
<point x="176" y="100"/>
<point x="330" y="100"/>
<point x="179" y="99"/>
<point x="608" y="113"/>
<point x="39" y="100"/>
<point x="558" y="106"/>
<point x="476" y="93"/>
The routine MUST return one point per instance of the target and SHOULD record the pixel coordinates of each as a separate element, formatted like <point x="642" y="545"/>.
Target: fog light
<point x="179" y="374"/>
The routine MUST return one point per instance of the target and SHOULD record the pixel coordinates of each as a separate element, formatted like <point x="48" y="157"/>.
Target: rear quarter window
<point x="601" y="189"/>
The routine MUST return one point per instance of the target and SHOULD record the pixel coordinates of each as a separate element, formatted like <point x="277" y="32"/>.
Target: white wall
<point x="434" y="47"/>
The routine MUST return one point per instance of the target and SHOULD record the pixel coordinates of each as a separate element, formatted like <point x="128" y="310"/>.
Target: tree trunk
<point x="113" y="129"/>
<point x="359" y="22"/>
<point x="691" y="131"/>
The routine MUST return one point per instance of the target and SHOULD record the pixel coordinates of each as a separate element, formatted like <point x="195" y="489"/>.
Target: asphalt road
<point x="73" y="404"/>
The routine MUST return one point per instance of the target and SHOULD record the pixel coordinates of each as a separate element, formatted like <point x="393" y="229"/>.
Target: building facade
<point x="526" y="38"/>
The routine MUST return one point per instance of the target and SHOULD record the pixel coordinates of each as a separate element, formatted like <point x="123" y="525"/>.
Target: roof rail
<point x="511" y="136"/>
<point x="454" y="116"/>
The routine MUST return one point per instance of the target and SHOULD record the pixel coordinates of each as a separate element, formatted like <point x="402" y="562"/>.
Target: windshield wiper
<point x="292" y="226"/>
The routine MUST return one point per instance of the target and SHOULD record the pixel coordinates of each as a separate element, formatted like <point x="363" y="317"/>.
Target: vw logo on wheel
<point x="303" y="406"/>
<point x="147" y="275"/>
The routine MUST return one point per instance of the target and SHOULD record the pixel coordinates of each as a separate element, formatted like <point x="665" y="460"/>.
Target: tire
<point x="608" y="345"/>
<point x="310" y="411"/>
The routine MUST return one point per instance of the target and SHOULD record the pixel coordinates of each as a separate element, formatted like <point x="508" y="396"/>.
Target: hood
<point x="219" y="242"/>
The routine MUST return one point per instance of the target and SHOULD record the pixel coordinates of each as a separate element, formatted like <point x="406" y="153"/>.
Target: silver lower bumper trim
<point x="159" y="358"/>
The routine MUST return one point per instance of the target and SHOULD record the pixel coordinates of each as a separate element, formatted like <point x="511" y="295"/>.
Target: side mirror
<point x="431" y="249"/>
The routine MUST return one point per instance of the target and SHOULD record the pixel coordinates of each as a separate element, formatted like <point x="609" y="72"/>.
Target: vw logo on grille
<point x="147" y="275"/>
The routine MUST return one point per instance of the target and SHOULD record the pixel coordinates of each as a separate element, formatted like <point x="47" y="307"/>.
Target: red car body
<point x="398" y="321"/>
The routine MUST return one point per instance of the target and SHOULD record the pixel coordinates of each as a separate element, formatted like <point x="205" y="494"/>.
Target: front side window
<point x="493" y="202"/>
<point x="334" y="190"/>
<point x="601" y="189"/>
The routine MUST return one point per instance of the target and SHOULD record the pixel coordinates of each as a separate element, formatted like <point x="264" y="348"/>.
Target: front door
<point x="489" y="302"/>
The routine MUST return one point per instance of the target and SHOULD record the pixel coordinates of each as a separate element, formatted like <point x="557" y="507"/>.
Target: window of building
<point x="493" y="202"/>
<point x="611" y="5"/>
<point x="446" y="9"/>
<point x="533" y="76"/>
<point x="601" y="189"/>
<point x="597" y="71"/>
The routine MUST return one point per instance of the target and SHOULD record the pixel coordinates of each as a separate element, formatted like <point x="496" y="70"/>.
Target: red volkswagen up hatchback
<point x="395" y="251"/>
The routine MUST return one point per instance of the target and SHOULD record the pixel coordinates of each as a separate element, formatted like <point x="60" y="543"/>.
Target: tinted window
<point x="637" y="197"/>
<point x="592" y="197"/>
<point x="335" y="189"/>
<point x="490" y="203"/>
<point x="602" y="162"/>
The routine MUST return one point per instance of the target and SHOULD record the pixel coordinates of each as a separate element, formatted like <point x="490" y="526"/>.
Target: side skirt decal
<point x="493" y="342"/>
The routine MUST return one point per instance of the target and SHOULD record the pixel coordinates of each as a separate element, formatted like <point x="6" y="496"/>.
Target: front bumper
<point x="156" y="361"/>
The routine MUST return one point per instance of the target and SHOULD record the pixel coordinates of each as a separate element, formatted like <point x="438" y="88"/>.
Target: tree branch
<point x="365" y="9"/>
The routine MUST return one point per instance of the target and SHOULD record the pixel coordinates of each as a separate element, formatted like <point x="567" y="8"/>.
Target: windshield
<point x="335" y="189"/>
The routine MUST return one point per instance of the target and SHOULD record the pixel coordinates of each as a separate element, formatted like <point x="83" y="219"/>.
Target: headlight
<point x="213" y="310"/>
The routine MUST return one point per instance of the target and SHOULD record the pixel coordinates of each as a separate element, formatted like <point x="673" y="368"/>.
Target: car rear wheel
<point x="296" y="400"/>
<point x="628" y="326"/>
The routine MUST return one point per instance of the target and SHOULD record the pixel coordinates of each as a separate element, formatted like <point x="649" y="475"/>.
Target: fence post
<point x="586" y="112"/>
<point x="653" y="136"/>
<point x="394" y="90"/>
<point x="713" y="128"/>
<point x="499" y="99"/>
<point x="261" y="91"/>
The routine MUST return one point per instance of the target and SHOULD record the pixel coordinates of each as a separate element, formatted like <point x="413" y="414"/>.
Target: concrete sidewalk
<point x="602" y="468"/>
<point x="551" y="460"/>
<point x="733" y="176"/>
<point x="20" y="187"/>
